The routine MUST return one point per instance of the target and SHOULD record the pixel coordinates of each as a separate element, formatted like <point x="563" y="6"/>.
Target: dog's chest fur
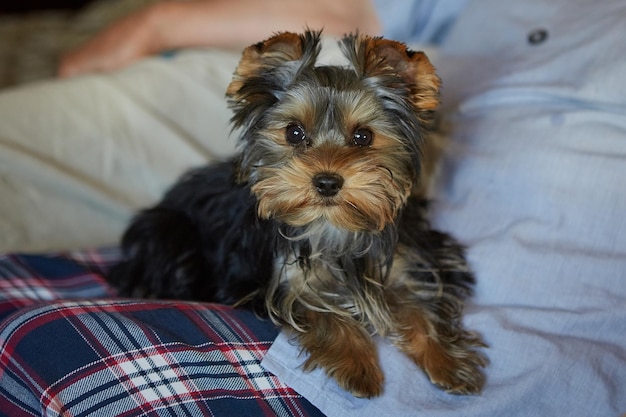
<point x="335" y="271"/>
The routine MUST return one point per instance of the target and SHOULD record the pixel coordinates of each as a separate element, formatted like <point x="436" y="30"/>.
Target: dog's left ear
<point x="387" y="60"/>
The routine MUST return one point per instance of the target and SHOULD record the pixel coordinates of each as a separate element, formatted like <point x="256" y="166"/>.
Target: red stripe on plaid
<point x="131" y="368"/>
<point x="126" y="357"/>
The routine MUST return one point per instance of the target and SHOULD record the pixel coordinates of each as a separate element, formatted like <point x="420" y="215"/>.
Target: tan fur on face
<point x="377" y="178"/>
<point x="369" y="199"/>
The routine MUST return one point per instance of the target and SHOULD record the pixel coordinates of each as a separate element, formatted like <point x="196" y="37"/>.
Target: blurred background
<point x="34" y="33"/>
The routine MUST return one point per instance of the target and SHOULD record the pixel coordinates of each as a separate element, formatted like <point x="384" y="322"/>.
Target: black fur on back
<point x="203" y="241"/>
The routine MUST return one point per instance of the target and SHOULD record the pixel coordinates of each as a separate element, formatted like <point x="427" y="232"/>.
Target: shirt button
<point x="537" y="36"/>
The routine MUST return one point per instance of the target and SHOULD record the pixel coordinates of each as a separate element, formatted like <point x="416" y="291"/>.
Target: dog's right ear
<point x="272" y="65"/>
<point x="265" y="72"/>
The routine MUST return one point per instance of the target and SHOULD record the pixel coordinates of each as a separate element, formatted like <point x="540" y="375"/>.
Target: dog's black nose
<point x="327" y="184"/>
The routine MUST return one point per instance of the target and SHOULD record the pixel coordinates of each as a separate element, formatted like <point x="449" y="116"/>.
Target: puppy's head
<point x="335" y="144"/>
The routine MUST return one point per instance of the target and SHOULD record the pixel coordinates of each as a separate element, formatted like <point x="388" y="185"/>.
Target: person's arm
<point x="220" y="23"/>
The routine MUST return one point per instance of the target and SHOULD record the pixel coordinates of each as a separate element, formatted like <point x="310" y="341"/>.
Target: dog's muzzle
<point x="327" y="185"/>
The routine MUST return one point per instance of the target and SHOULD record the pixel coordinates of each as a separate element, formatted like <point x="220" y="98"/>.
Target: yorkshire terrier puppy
<point x="319" y="220"/>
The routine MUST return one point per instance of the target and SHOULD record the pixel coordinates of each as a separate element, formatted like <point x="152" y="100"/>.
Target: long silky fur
<point x="216" y="235"/>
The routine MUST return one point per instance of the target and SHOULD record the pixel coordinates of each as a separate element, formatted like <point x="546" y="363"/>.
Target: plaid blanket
<point x="69" y="347"/>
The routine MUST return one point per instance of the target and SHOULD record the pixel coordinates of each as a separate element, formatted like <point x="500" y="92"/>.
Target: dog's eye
<point x="363" y="137"/>
<point x="295" y="134"/>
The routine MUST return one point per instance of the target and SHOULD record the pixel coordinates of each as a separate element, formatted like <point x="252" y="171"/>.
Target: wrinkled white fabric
<point x="534" y="183"/>
<point x="79" y="157"/>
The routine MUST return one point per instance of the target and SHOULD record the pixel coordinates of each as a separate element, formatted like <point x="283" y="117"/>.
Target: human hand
<point x="231" y="24"/>
<point x="120" y="44"/>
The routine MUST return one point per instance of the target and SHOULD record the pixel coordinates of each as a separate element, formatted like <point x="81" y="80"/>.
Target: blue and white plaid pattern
<point x="126" y="357"/>
<point x="30" y="279"/>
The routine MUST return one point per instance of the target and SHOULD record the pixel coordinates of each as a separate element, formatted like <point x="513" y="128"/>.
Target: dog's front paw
<point x="361" y="376"/>
<point x="456" y="367"/>
<point x="345" y="351"/>
<point x="362" y="381"/>
<point x="461" y="374"/>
